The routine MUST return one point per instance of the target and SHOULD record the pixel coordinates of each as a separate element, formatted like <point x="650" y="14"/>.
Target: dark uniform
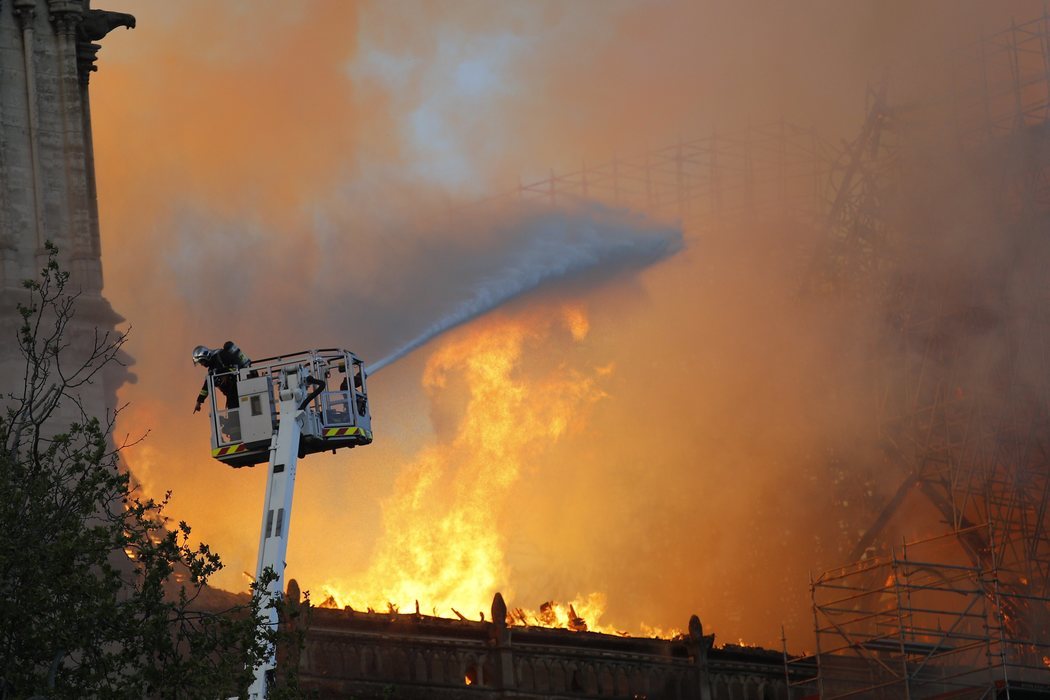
<point x="221" y="363"/>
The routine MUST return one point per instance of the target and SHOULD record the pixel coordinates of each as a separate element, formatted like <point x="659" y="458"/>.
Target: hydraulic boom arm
<point x="277" y="508"/>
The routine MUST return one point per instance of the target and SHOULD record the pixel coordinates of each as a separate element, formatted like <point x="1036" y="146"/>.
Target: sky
<point x="647" y="438"/>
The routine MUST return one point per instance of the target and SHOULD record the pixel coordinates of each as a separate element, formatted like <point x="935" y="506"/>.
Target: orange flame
<point x="580" y="615"/>
<point x="442" y="543"/>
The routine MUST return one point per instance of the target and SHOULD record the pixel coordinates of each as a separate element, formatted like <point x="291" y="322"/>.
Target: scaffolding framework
<point x="853" y="247"/>
<point x="962" y="399"/>
<point x="719" y="183"/>
<point x="920" y="623"/>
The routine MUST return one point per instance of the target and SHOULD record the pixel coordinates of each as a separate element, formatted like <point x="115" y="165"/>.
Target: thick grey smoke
<point x="550" y="247"/>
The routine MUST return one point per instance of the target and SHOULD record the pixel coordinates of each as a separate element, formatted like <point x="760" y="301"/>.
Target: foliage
<point x="99" y="595"/>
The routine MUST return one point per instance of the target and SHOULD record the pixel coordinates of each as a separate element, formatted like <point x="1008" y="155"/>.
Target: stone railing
<point x="412" y="656"/>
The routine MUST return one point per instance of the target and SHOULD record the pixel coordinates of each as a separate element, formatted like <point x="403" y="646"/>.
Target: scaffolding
<point x="996" y="84"/>
<point x="723" y="182"/>
<point x="961" y="392"/>
<point x="971" y="418"/>
<point x="853" y="247"/>
<point x="921" y="623"/>
<point x="990" y="88"/>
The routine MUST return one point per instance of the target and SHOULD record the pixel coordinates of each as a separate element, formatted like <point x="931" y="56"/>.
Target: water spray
<point x="556" y="246"/>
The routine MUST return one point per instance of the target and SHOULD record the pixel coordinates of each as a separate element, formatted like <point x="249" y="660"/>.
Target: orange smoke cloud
<point x="201" y="96"/>
<point x="287" y="175"/>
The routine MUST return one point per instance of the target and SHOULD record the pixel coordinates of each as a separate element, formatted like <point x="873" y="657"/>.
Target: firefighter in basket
<point x="222" y="364"/>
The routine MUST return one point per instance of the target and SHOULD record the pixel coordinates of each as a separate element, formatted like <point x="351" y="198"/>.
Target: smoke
<point x="550" y="247"/>
<point x="299" y="182"/>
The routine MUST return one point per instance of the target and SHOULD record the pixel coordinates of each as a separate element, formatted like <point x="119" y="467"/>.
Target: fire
<point x="580" y="615"/>
<point x="442" y="542"/>
<point x="660" y="632"/>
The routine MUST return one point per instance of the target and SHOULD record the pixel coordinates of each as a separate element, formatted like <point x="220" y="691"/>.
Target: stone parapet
<point x="413" y="656"/>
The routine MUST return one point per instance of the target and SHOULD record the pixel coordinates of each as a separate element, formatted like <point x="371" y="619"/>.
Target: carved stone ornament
<point x="94" y="26"/>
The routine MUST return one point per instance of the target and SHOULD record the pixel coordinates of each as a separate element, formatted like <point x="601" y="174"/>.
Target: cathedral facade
<point x="48" y="51"/>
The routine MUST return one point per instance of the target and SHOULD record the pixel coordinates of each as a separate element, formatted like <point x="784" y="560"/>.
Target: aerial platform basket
<point x="335" y="405"/>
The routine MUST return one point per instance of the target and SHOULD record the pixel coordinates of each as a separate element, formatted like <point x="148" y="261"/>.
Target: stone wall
<point x="352" y="654"/>
<point x="47" y="175"/>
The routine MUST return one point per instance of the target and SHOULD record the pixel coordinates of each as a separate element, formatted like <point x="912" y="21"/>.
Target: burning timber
<point x="413" y="656"/>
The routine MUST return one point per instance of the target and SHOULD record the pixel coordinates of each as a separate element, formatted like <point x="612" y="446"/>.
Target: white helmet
<point x="200" y="353"/>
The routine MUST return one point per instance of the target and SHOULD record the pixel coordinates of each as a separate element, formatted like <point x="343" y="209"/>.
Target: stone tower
<point x="47" y="171"/>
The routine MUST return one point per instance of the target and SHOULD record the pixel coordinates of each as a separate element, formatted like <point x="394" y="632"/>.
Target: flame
<point x="579" y="615"/>
<point x="660" y="632"/>
<point x="442" y="543"/>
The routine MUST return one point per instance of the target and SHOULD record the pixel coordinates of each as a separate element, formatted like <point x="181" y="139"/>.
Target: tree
<point x="99" y="596"/>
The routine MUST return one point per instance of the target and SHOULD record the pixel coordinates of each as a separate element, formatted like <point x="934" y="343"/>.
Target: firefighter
<point x="221" y="364"/>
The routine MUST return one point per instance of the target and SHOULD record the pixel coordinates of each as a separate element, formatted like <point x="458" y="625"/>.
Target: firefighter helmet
<point x="200" y="353"/>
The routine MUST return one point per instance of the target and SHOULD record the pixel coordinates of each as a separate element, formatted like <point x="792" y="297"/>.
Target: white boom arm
<point x="277" y="509"/>
<point x="287" y="407"/>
